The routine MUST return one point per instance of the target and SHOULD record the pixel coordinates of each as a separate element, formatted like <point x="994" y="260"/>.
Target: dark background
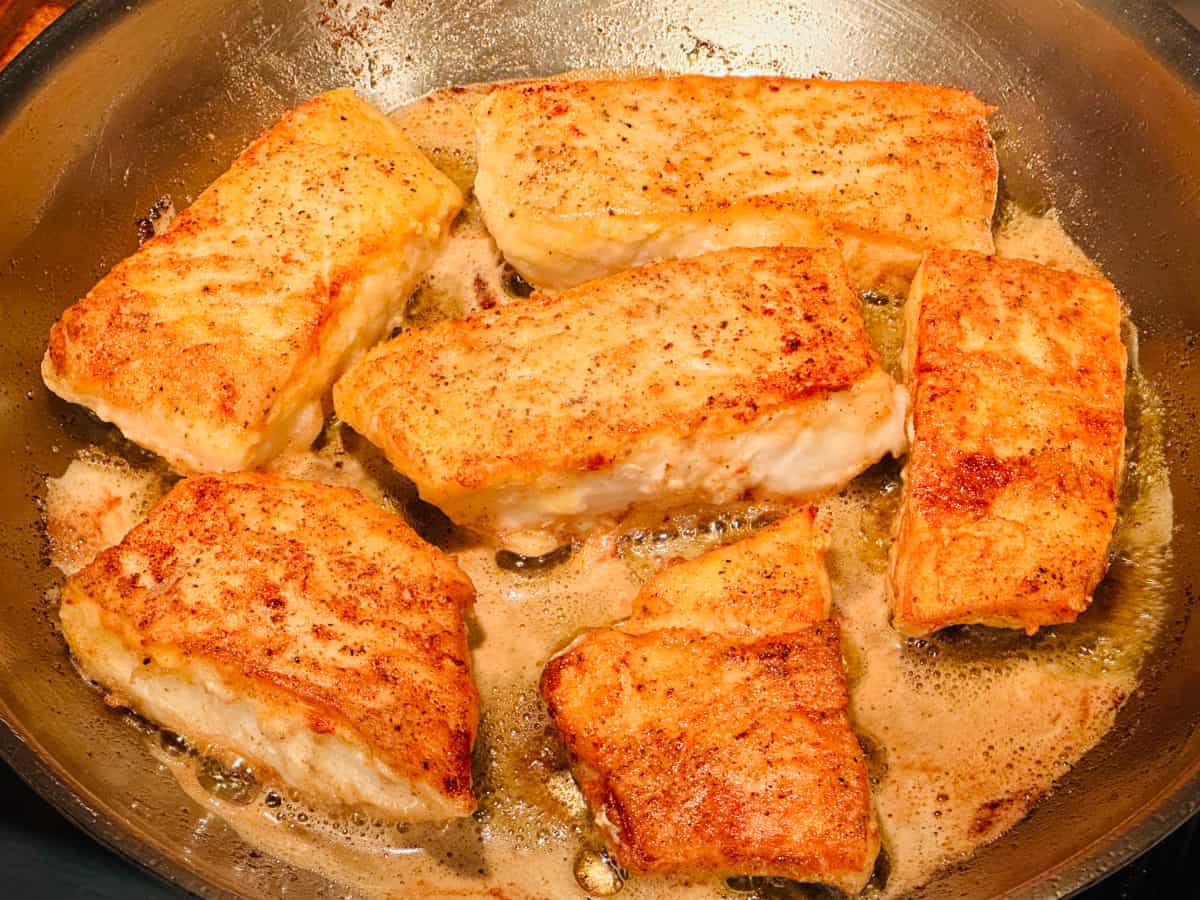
<point x="44" y="855"/>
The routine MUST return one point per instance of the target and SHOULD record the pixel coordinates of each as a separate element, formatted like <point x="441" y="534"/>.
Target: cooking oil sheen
<point x="964" y="731"/>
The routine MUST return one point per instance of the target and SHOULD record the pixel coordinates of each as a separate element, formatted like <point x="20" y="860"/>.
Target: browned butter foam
<point x="964" y="731"/>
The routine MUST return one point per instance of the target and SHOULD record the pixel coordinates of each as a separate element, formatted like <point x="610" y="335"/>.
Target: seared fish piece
<point x="737" y="372"/>
<point x="297" y="625"/>
<point x="214" y="344"/>
<point x="581" y="179"/>
<point x="1017" y="374"/>
<point x="721" y="743"/>
<point x="770" y="581"/>
<point x="702" y="753"/>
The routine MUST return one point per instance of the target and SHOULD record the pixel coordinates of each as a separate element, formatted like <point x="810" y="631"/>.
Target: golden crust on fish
<point x="710" y="731"/>
<point x="698" y="752"/>
<point x="772" y="581"/>
<point x="1017" y="374"/>
<point x="701" y="749"/>
<point x="579" y="179"/>
<point x="298" y="625"/>
<point x="736" y="372"/>
<point x="214" y="343"/>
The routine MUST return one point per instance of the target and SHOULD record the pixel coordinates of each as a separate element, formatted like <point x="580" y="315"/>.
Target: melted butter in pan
<point x="964" y="731"/>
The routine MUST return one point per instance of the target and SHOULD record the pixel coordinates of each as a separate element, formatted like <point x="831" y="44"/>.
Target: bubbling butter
<point x="965" y="730"/>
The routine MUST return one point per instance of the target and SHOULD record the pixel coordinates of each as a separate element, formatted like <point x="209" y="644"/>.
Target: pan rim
<point x="1161" y="31"/>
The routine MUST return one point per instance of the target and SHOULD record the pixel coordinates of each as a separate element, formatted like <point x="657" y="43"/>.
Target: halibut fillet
<point x="769" y="581"/>
<point x="741" y="372"/>
<point x="1017" y="374"/>
<point x="214" y="344"/>
<point x="581" y="179"/>
<point x="296" y="625"/>
<point x="710" y="732"/>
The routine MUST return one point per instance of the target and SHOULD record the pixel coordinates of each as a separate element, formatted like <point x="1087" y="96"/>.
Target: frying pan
<point x="125" y="101"/>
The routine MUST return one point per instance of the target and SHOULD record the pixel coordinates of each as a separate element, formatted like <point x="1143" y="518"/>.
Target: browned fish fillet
<point x="711" y="734"/>
<point x="771" y="581"/>
<point x="580" y="179"/>
<point x="737" y="372"/>
<point x="1017" y="374"/>
<point x="297" y="625"/>
<point x="214" y="344"/>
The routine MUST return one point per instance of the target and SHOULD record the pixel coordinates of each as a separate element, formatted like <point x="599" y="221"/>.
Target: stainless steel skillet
<point x="124" y="101"/>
